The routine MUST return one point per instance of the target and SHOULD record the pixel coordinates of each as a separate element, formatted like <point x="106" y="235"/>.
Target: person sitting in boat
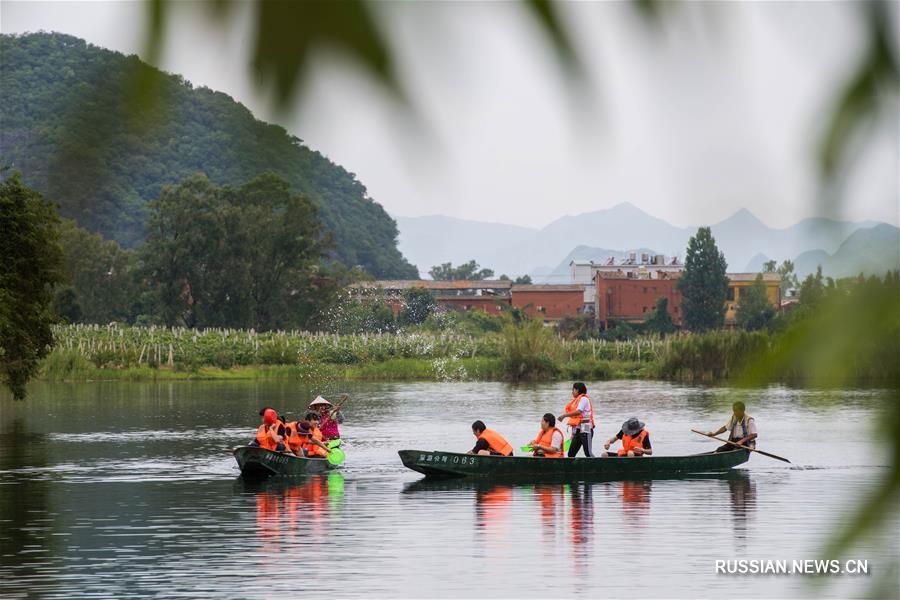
<point x="741" y="429"/>
<point x="314" y="446"/>
<point x="635" y="440"/>
<point x="489" y="441"/>
<point x="271" y="434"/>
<point x="580" y="414"/>
<point x="549" y="441"/>
<point x="297" y="434"/>
<point x="329" y="418"/>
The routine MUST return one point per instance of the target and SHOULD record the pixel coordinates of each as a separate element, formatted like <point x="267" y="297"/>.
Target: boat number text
<point x="443" y="458"/>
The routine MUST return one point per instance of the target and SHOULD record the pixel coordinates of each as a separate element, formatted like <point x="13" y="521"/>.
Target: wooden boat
<point x="454" y="464"/>
<point x="256" y="462"/>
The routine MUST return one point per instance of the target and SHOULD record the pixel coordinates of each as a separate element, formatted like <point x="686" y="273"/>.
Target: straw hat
<point x="319" y="401"/>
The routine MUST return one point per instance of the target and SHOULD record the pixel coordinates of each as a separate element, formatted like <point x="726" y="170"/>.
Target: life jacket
<point x="573" y="405"/>
<point x="545" y="438"/>
<point x="313" y="449"/>
<point x="266" y="438"/>
<point x="496" y="442"/>
<point x="293" y="438"/>
<point x="631" y="442"/>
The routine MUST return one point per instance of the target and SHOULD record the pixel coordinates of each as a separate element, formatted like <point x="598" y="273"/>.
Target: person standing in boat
<point x="580" y="414"/>
<point x="329" y="418"/>
<point x="271" y="433"/>
<point x="549" y="441"/>
<point x="489" y="441"/>
<point x="635" y="440"/>
<point x="741" y="429"/>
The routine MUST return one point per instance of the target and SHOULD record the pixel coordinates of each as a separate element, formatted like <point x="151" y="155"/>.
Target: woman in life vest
<point x="741" y="429"/>
<point x="580" y="414"/>
<point x="297" y="434"/>
<point x="549" y="441"/>
<point x="314" y="446"/>
<point x="271" y="433"/>
<point x="329" y="418"/>
<point x="635" y="440"/>
<point x="489" y="441"/>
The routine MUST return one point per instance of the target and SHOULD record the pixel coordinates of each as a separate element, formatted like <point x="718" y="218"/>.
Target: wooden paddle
<point x="338" y="406"/>
<point x="742" y="446"/>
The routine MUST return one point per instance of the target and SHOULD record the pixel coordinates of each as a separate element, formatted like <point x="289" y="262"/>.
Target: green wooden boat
<point x="454" y="464"/>
<point x="256" y="462"/>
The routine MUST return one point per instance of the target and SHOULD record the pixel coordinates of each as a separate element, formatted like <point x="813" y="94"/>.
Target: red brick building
<point x="549" y="302"/>
<point x="485" y="295"/>
<point x="632" y="299"/>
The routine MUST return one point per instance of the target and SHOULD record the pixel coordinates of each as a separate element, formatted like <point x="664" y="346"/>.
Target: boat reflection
<point x="287" y="509"/>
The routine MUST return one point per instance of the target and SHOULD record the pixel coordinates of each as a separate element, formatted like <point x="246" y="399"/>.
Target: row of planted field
<point x="80" y="349"/>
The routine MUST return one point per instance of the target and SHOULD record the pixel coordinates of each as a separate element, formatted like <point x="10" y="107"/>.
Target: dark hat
<point x="303" y="427"/>
<point x="632" y="426"/>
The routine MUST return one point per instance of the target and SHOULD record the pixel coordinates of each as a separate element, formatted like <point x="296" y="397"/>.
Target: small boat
<point x="453" y="464"/>
<point x="256" y="462"/>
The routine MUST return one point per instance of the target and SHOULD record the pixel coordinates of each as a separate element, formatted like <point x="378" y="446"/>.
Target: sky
<point x="718" y="109"/>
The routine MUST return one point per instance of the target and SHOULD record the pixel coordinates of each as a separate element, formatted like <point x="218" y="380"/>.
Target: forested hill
<point x="79" y="133"/>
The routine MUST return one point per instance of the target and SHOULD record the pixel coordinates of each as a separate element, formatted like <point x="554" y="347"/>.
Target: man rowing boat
<point x="741" y="429"/>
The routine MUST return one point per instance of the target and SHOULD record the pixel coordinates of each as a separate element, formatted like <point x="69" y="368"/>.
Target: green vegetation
<point x="754" y="311"/>
<point x="703" y="283"/>
<point x="31" y="264"/>
<point x="72" y="125"/>
<point x="469" y="270"/>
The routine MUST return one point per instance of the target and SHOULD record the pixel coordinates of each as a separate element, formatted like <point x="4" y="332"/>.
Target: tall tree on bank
<point x="31" y="265"/>
<point x="754" y="311"/>
<point x="703" y="284"/>
<point x="469" y="270"/>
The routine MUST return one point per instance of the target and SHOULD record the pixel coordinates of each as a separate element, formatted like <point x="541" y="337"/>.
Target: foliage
<point x="31" y="265"/>
<point x="523" y="280"/>
<point x="754" y="311"/>
<point x="620" y="331"/>
<point x="788" y="277"/>
<point x="70" y="126"/>
<point x="103" y="277"/>
<point x="812" y="290"/>
<point x="418" y="305"/>
<point x="578" y="327"/>
<point x="469" y="270"/>
<point x="359" y="315"/>
<point x="660" y="321"/>
<point x="527" y="348"/>
<point x="65" y="305"/>
<point x="249" y="256"/>
<point x="703" y="284"/>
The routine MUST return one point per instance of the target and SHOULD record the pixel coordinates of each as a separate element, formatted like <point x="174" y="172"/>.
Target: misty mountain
<point x="427" y="241"/>
<point x="873" y="251"/>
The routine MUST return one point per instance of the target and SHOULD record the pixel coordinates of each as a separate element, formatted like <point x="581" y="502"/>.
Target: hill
<point x="75" y="126"/>
<point x="516" y="250"/>
<point x="873" y="251"/>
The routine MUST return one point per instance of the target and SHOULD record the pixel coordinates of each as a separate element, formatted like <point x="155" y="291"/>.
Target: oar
<point x="339" y="404"/>
<point x="742" y="446"/>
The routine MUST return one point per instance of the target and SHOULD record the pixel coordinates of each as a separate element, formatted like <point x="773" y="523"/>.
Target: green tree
<point x="660" y="321"/>
<point x="754" y="311"/>
<point x="769" y="266"/>
<point x="523" y="280"/>
<point x="469" y="270"/>
<point x="703" y="284"/>
<point x="102" y="275"/>
<point x="788" y="277"/>
<point x="65" y="305"/>
<point x="812" y="290"/>
<point x="31" y="265"/>
<point x="418" y="305"/>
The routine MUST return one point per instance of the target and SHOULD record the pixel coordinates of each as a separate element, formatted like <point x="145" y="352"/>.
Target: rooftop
<point x="567" y="287"/>
<point x="465" y="284"/>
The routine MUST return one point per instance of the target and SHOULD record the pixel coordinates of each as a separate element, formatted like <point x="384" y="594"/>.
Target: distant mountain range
<point x="545" y="253"/>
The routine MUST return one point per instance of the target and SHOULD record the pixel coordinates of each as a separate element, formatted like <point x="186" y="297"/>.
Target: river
<point x="122" y="489"/>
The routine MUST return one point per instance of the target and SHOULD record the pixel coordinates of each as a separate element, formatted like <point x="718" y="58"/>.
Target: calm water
<point x="117" y="489"/>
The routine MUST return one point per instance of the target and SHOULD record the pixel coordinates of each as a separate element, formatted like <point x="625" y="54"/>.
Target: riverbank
<point x="93" y="353"/>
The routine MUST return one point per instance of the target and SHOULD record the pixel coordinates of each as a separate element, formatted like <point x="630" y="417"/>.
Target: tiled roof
<point x="405" y="284"/>
<point x="571" y="287"/>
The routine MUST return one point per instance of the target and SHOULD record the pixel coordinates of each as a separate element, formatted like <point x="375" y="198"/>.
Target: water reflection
<point x="289" y="510"/>
<point x="742" y="490"/>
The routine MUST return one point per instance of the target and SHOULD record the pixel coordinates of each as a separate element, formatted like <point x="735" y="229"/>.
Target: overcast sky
<point x="718" y="110"/>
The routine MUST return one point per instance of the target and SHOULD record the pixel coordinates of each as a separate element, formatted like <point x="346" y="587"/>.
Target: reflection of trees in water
<point x="24" y="502"/>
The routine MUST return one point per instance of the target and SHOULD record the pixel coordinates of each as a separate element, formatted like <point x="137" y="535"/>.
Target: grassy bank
<point x="148" y="353"/>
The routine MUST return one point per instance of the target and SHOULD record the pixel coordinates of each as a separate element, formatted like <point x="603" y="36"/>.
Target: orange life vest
<point x="266" y="438"/>
<point x="545" y="438"/>
<point x="293" y="437"/>
<point x="631" y="442"/>
<point x="496" y="442"/>
<point x="313" y="449"/>
<point x="573" y="406"/>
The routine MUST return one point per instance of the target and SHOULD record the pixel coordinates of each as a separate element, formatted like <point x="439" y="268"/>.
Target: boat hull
<point x="436" y="464"/>
<point x="259" y="463"/>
